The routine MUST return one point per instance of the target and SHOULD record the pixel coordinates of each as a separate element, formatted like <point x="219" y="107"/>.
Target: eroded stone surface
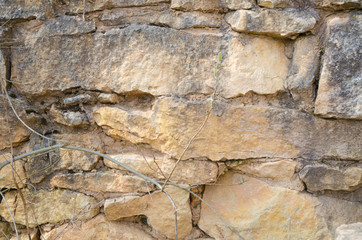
<point x="15" y="9"/>
<point x="338" y="4"/>
<point x="99" y="228"/>
<point x="274" y="22"/>
<point x="274" y="3"/>
<point x="76" y="160"/>
<point x="69" y="118"/>
<point x="321" y="177"/>
<point x="196" y="5"/>
<point x="159" y="211"/>
<point x="255" y="211"/>
<point x="340" y="86"/>
<point x="232" y="132"/>
<point x="6" y="175"/>
<point x="349" y="231"/>
<point x="49" y="207"/>
<point x="188" y="172"/>
<point x="238" y="4"/>
<point x="101" y="182"/>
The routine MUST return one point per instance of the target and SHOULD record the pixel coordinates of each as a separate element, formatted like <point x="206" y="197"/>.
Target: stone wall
<point x="279" y="156"/>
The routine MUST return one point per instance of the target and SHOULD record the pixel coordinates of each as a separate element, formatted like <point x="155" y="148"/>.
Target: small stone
<point x="190" y="172"/>
<point x="108" y="98"/>
<point x="338" y="4"/>
<point x="183" y="20"/>
<point x="158" y="209"/>
<point x="101" y="182"/>
<point x="320" y="177"/>
<point x="76" y="160"/>
<point x="69" y="118"/>
<point x="280" y="169"/>
<point x="49" y="207"/>
<point x="6" y="176"/>
<point x="349" y="231"/>
<point x="98" y="228"/>
<point x="252" y="208"/>
<point x="274" y="3"/>
<point x="274" y="22"/>
<point x="82" y="98"/>
<point x="196" y="5"/>
<point x="340" y="86"/>
<point x="238" y="4"/>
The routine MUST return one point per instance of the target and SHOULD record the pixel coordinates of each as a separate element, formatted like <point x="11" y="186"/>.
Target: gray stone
<point x="101" y="182"/>
<point x="349" y="231"/>
<point x="17" y="9"/>
<point x="82" y="98"/>
<point x="238" y="4"/>
<point x="69" y="118"/>
<point x="274" y="22"/>
<point x="340" y="85"/>
<point x="320" y="177"/>
<point x="337" y="4"/>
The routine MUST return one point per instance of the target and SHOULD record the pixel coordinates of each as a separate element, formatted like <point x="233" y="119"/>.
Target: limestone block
<point x="69" y="118"/>
<point x="338" y="4"/>
<point x="196" y="5"/>
<point x="232" y="131"/>
<point x="15" y="9"/>
<point x="101" y="182"/>
<point x="349" y="231"/>
<point x="274" y="22"/>
<point x="274" y="3"/>
<point x="76" y="160"/>
<point x="187" y="172"/>
<point x="159" y="211"/>
<point x="49" y="207"/>
<point x="98" y="228"/>
<point x="253" y="207"/>
<point x="238" y="4"/>
<point x="6" y="175"/>
<point x="340" y="86"/>
<point x="321" y="177"/>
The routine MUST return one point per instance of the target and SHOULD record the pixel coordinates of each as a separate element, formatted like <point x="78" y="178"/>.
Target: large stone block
<point x="259" y="211"/>
<point x="274" y="22"/>
<point x="338" y="4"/>
<point x="196" y="5"/>
<point x="233" y="131"/>
<point x="15" y="9"/>
<point x="340" y="85"/>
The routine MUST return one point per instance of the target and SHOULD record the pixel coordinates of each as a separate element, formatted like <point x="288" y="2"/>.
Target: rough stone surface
<point x="99" y="228"/>
<point x="340" y="86"/>
<point x="238" y="4"/>
<point x="108" y="98"/>
<point x="76" y="160"/>
<point x="338" y="4"/>
<point x="252" y="208"/>
<point x="274" y="3"/>
<point x="159" y="211"/>
<point x="69" y="118"/>
<point x="196" y="5"/>
<point x="232" y="132"/>
<point x="68" y="204"/>
<point x="349" y="231"/>
<point x="274" y="22"/>
<point x="280" y="169"/>
<point x="101" y="182"/>
<point x="321" y="177"/>
<point x="188" y="172"/>
<point x="81" y="98"/>
<point x="15" y="9"/>
<point x="6" y="176"/>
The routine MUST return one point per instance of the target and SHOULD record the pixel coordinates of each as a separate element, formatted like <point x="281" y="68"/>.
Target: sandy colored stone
<point x="49" y="207"/>
<point x="23" y="235"/>
<point x="99" y="228"/>
<point x="15" y="9"/>
<point x="319" y="177"/>
<point x="349" y="231"/>
<point x="275" y="22"/>
<point x="76" y="160"/>
<point x="196" y="5"/>
<point x="68" y="118"/>
<point x="260" y="211"/>
<point x="6" y="176"/>
<point x="253" y="64"/>
<point x="280" y="169"/>
<point x="232" y="131"/>
<point x="5" y="228"/>
<point x="108" y="98"/>
<point x="183" y="20"/>
<point x="101" y="182"/>
<point x="340" y="86"/>
<point x="159" y="211"/>
<point x="274" y="3"/>
<point x="238" y="4"/>
<point x="338" y="4"/>
<point x="188" y="172"/>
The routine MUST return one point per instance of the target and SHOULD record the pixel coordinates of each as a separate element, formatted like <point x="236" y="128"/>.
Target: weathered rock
<point x="18" y="132"/>
<point x="320" y="177"/>
<point x="99" y="228"/>
<point x="101" y="182"/>
<point x="15" y="9"/>
<point x="258" y="65"/>
<point x="81" y="98"/>
<point x="258" y="205"/>
<point x="232" y="132"/>
<point x="159" y="211"/>
<point x="183" y="20"/>
<point x="274" y="3"/>
<point x="337" y="4"/>
<point x="76" y="160"/>
<point x="6" y="175"/>
<point x="69" y="118"/>
<point x="349" y="231"/>
<point x="108" y="98"/>
<point x="279" y="169"/>
<point x="23" y="235"/>
<point x="238" y="4"/>
<point x="49" y="207"/>
<point x="5" y="228"/>
<point x="340" y="86"/>
<point x="196" y="5"/>
<point x="188" y="172"/>
<point x="273" y="22"/>
<point x="303" y="71"/>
